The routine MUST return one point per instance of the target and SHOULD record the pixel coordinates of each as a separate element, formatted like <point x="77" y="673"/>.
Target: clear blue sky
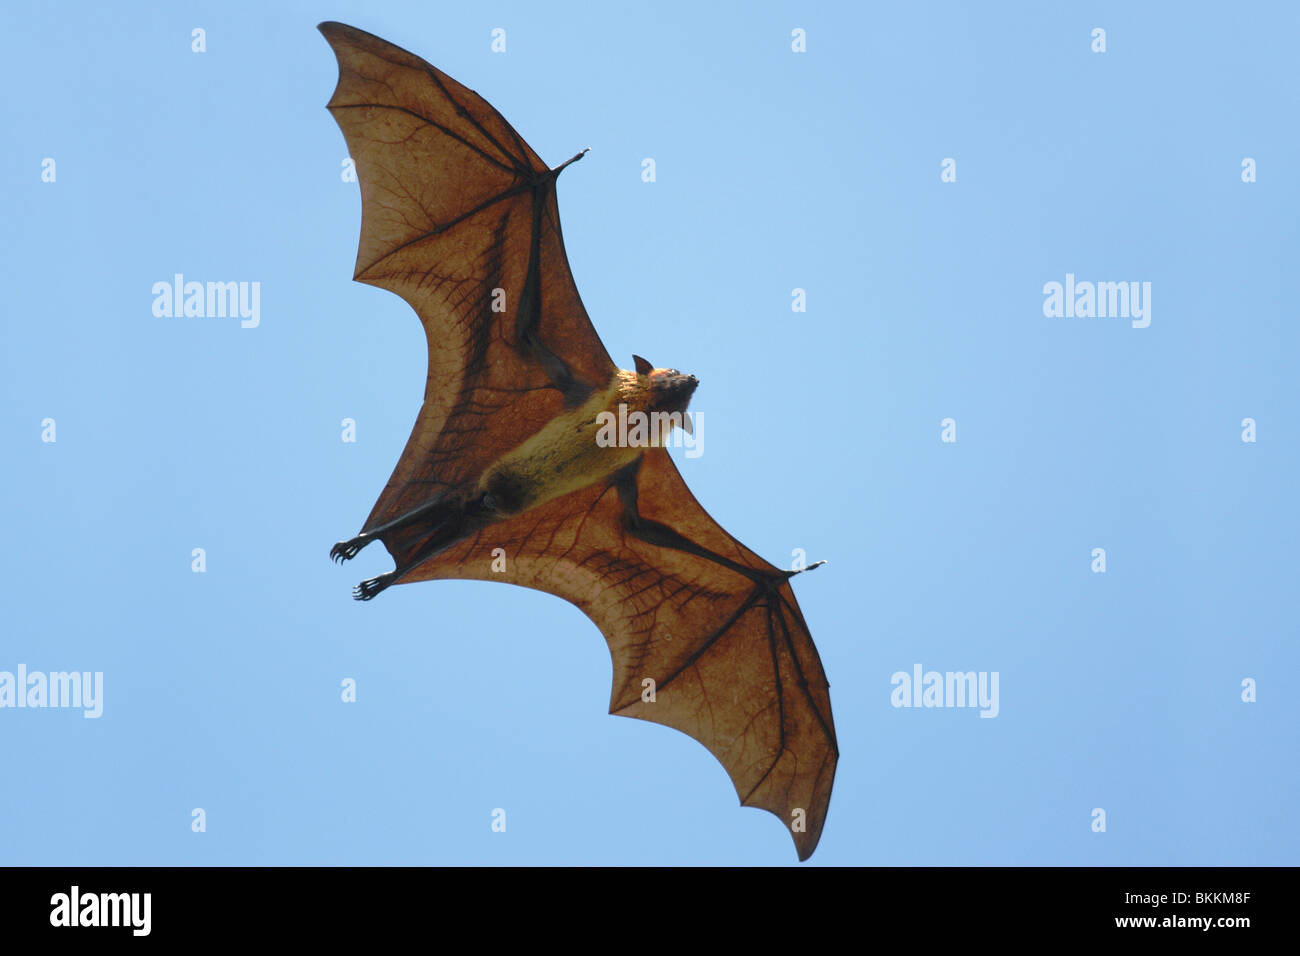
<point x="775" y="171"/>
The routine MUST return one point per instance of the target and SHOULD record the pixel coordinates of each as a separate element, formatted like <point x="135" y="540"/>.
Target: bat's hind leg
<point x="347" y="550"/>
<point x="370" y="587"/>
<point x="447" y="521"/>
<point x="434" y="511"/>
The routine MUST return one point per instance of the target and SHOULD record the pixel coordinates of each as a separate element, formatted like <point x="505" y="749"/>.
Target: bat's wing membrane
<point x="733" y="664"/>
<point x="457" y="213"/>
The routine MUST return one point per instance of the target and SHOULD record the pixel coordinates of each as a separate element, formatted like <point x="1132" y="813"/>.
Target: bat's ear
<point x="642" y="366"/>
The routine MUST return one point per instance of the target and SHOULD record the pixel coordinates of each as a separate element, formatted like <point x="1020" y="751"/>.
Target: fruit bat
<point x="505" y="476"/>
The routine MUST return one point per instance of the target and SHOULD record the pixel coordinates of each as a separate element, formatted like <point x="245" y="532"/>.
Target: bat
<point x="506" y="477"/>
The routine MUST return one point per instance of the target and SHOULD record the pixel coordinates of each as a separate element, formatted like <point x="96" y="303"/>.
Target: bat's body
<point x="565" y="455"/>
<point x="507" y="456"/>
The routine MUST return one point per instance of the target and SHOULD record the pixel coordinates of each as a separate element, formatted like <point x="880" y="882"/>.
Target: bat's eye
<point x="488" y="502"/>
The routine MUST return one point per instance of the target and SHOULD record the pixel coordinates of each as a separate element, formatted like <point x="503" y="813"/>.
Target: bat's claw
<point x="347" y="550"/>
<point x="812" y="567"/>
<point x="572" y="159"/>
<point x="369" y="588"/>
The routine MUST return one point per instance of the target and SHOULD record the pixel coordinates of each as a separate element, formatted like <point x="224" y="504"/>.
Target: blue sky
<point x="776" y="170"/>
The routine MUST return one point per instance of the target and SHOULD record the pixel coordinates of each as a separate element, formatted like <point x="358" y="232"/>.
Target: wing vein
<point x="443" y="227"/>
<point x="436" y="125"/>
<point x="520" y="166"/>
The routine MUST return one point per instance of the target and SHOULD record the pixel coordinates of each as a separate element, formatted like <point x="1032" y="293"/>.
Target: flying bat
<point x="506" y="477"/>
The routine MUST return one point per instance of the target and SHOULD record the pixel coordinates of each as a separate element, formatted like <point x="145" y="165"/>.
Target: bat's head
<point x="668" y="390"/>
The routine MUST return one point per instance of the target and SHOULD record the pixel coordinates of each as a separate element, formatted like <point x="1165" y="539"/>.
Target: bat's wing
<point x="459" y="218"/>
<point x="725" y="644"/>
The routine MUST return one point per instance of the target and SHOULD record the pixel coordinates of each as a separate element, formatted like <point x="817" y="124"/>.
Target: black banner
<point x="335" y="904"/>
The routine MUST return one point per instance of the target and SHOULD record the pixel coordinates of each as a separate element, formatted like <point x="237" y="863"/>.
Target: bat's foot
<point x="347" y="550"/>
<point x="369" y="588"/>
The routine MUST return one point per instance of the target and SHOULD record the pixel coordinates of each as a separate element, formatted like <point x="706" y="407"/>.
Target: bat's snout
<point x="673" y="390"/>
